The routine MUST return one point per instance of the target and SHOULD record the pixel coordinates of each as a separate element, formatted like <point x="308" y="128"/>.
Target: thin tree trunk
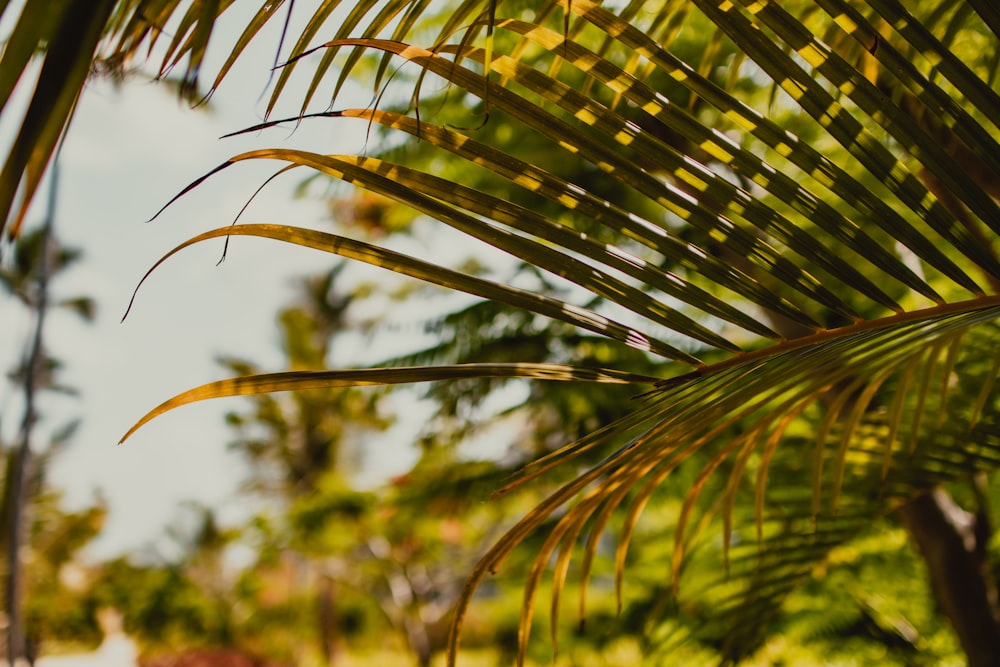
<point x="953" y="544"/>
<point x="15" y="525"/>
<point x="329" y="631"/>
<point x="18" y="494"/>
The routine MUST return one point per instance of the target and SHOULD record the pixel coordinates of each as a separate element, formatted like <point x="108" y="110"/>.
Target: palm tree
<point x="792" y="202"/>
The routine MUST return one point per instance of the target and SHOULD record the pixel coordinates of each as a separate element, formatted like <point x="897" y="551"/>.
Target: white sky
<point x="127" y="153"/>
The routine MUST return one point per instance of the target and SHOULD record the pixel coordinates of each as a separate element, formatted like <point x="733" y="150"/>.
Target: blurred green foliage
<point x="330" y="569"/>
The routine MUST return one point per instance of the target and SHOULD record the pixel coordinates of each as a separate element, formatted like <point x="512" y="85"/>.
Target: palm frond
<point x="305" y="380"/>
<point x="76" y="39"/>
<point x="69" y="33"/>
<point x="816" y="258"/>
<point x="752" y="398"/>
<point x="407" y="265"/>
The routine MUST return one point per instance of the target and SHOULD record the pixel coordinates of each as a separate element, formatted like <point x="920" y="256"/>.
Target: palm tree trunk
<point x="953" y="543"/>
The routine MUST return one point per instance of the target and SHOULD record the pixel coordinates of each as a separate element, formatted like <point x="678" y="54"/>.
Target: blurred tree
<point x="58" y="608"/>
<point x="38" y="258"/>
<point x="162" y="607"/>
<point x="302" y="445"/>
<point x="178" y="595"/>
<point x="791" y="203"/>
<point x="404" y="548"/>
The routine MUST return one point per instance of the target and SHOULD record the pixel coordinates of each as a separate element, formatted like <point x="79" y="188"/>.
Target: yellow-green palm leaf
<point x="814" y="251"/>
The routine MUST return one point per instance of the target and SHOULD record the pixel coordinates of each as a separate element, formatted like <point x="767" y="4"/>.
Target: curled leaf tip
<point x="191" y="186"/>
<point x="130" y="302"/>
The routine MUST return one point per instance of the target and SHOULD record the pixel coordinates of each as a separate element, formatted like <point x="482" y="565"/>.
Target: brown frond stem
<point x="788" y="345"/>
